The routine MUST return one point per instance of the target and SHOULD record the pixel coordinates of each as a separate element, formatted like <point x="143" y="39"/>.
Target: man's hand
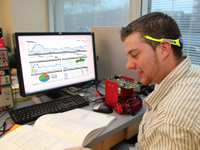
<point x="77" y="148"/>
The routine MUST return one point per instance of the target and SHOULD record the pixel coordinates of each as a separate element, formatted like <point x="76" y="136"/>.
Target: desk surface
<point x="122" y="121"/>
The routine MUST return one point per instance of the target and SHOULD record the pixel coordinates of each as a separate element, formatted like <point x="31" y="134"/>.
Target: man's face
<point x="142" y="59"/>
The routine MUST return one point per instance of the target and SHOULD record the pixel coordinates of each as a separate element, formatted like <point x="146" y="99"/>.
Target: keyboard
<point x="31" y="113"/>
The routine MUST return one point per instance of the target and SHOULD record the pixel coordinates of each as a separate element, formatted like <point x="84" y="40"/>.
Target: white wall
<point x="22" y="16"/>
<point x="29" y="15"/>
<point x="6" y="22"/>
<point x="111" y="53"/>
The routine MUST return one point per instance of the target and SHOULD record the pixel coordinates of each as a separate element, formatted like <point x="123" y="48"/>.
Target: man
<point x="154" y="46"/>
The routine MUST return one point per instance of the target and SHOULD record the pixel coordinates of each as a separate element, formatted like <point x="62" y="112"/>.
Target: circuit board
<point x="124" y="83"/>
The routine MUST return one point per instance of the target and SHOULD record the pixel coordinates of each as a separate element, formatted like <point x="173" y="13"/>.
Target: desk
<point x="124" y="127"/>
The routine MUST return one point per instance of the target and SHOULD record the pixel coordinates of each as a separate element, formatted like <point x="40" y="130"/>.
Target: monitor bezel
<point x="18" y="61"/>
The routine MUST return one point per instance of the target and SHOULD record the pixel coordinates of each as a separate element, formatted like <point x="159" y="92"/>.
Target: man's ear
<point x="166" y="48"/>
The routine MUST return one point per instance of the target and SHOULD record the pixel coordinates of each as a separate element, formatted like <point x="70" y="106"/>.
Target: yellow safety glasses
<point x="177" y="42"/>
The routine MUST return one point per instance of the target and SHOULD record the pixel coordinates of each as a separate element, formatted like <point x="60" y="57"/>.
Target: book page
<point x="66" y="127"/>
<point x="91" y="116"/>
<point x="74" y="125"/>
<point x="29" y="138"/>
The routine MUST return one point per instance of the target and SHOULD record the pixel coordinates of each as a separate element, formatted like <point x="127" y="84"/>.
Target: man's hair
<point x="156" y="25"/>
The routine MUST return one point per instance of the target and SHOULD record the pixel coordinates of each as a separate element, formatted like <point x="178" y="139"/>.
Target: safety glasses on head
<point x="177" y="42"/>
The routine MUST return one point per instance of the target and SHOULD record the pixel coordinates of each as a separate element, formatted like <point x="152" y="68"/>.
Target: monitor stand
<point x="57" y="94"/>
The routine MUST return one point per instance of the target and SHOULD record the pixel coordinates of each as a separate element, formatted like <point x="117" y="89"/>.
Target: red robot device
<point x="119" y="94"/>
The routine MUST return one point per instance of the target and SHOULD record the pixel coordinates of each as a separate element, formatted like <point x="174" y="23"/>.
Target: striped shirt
<point x="172" y="119"/>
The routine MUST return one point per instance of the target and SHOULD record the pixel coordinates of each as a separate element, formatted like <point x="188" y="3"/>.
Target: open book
<point x="76" y="127"/>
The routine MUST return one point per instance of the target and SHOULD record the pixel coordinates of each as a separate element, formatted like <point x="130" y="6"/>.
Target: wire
<point x="85" y="86"/>
<point x="4" y="65"/>
<point x="3" y="114"/>
<point x="40" y="97"/>
<point x="97" y="91"/>
<point x="19" y="99"/>
<point x="15" y="91"/>
<point x="4" y="125"/>
<point x="98" y="101"/>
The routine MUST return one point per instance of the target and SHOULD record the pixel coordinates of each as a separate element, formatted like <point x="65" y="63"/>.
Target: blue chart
<point x="45" y="66"/>
<point x="38" y="48"/>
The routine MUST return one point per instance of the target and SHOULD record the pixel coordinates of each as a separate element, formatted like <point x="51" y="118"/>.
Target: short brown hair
<point x="157" y="25"/>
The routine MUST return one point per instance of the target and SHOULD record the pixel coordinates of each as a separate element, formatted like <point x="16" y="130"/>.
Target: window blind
<point x="81" y="15"/>
<point x="187" y="15"/>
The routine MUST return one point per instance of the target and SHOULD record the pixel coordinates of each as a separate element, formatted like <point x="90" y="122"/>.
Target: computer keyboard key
<point x="31" y="113"/>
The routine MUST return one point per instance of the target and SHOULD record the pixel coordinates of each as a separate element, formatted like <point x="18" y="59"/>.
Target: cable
<point x="5" y="120"/>
<point x="19" y="99"/>
<point x="3" y="114"/>
<point x="15" y="91"/>
<point x="40" y="97"/>
<point x="4" y="65"/>
<point x="98" y="101"/>
<point x="97" y="91"/>
<point x="4" y="126"/>
<point x="85" y="86"/>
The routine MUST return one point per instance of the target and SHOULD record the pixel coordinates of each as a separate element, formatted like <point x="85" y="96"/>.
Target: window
<point x="187" y="15"/>
<point x="81" y="15"/>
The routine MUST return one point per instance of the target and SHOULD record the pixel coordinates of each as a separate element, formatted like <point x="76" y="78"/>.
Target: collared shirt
<point x="172" y="119"/>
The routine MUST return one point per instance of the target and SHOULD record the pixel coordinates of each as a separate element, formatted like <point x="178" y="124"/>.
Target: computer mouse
<point x="101" y="107"/>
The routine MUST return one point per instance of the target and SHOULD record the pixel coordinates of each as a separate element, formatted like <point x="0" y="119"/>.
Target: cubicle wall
<point x="111" y="53"/>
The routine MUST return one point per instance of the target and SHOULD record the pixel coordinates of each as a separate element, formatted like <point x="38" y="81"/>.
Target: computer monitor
<point x="49" y="61"/>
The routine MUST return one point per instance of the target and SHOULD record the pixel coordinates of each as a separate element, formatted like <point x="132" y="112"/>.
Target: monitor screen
<point x="50" y="61"/>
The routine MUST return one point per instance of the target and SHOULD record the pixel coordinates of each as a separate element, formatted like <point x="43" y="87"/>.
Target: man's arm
<point x="170" y="136"/>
